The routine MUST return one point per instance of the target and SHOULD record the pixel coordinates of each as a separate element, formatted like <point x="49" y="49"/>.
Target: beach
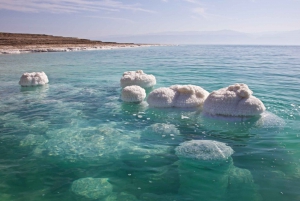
<point x="16" y="43"/>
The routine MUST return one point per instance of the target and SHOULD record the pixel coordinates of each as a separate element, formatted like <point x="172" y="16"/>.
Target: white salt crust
<point x="138" y="78"/>
<point x="33" y="79"/>
<point x="133" y="94"/>
<point x="234" y="100"/>
<point x="205" y="150"/>
<point x="177" y="96"/>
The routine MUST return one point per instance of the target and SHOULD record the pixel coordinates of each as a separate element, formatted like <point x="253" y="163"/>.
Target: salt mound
<point x="270" y="120"/>
<point x="206" y="150"/>
<point x="235" y="100"/>
<point x="93" y="188"/>
<point x="135" y="94"/>
<point x="178" y="96"/>
<point x="33" y="79"/>
<point x="211" y="163"/>
<point x="137" y="78"/>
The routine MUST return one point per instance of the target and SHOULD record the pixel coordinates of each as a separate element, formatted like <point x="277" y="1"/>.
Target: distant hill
<point x="212" y="37"/>
<point x="18" y="39"/>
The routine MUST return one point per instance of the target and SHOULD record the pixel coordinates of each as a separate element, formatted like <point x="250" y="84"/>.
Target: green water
<point x="77" y="127"/>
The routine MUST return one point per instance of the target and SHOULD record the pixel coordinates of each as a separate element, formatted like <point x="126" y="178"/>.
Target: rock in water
<point x="33" y="79"/>
<point x="138" y="78"/>
<point x="161" y="133"/>
<point x="93" y="188"/>
<point x="182" y="96"/>
<point x="234" y="100"/>
<point x="133" y="94"/>
<point x="31" y="140"/>
<point x="207" y="172"/>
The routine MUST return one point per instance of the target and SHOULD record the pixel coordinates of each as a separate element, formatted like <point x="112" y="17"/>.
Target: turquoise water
<point x="77" y="126"/>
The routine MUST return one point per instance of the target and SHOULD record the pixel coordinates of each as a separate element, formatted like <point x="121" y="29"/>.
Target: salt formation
<point x="177" y="96"/>
<point x="31" y="140"/>
<point x="270" y="120"/>
<point x="137" y="78"/>
<point x="153" y="163"/>
<point x="161" y="133"/>
<point x="235" y="100"/>
<point x="134" y="94"/>
<point x="33" y="79"/>
<point x="207" y="172"/>
<point x="120" y="197"/>
<point x="101" y="145"/>
<point x="92" y="188"/>
<point x="204" y="150"/>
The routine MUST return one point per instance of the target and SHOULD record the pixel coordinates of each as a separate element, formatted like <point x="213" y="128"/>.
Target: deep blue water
<point x="77" y="126"/>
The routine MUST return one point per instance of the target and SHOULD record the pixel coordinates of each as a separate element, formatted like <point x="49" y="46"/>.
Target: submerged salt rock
<point x="135" y="94"/>
<point x="205" y="150"/>
<point x="101" y="144"/>
<point x="178" y="96"/>
<point x="92" y="188"/>
<point x="137" y="78"/>
<point x="31" y="140"/>
<point x="120" y="197"/>
<point x="211" y="163"/>
<point x="235" y="100"/>
<point x="161" y="132"/>
<point x="33" y="79"/>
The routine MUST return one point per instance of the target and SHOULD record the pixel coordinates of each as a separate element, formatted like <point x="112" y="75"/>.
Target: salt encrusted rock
<point x="177" y="96"/>
<point x="120" y="197"/>
<point x="235" y="100"/>
<point x="211" y="163"/>
<point x="134" y="94"/>
<point x="92" y="188"/>
<point x="161" y="97"/>
<point x="31" y="140"/>
<point x="137" y="78"/>
<point x="161" y="133"/>
<point x="204" y="150"/>
<point x="33" y="79"/>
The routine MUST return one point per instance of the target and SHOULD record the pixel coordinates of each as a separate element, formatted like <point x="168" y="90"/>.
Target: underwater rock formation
<point x="161" y="133"/>
<point x="31" y="140"/>
<point x="138" y="78"/>
<point x="133" y="94"/>
<point x="182" y="96"/>
<point x="101" y="144"/>
<point x="234" y="100"/>
<point x="33" y="79"/>
<point x="207" y="172"/>
<point x="120" y="197"/>
<point x="92" y="188"/>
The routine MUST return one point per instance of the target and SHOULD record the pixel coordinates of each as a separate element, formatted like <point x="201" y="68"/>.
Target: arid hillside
<point x="17" y="39"/>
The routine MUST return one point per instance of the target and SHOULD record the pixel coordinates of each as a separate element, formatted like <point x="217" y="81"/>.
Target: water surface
<point x="77" y="126"/>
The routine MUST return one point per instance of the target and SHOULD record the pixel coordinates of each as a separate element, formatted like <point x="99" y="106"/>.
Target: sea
<point x="74" y="138"/>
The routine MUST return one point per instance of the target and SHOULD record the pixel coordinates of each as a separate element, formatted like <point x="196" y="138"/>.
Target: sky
<point x="95" y="18"/>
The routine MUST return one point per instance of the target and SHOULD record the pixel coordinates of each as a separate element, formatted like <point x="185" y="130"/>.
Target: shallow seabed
<point x="77" y="127"/>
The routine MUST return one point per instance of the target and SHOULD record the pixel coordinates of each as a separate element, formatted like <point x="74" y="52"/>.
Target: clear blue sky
<point x="94" y="18"/>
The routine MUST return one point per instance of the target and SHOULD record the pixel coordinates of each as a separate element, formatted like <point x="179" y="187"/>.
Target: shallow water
<point x="77" y="127"/>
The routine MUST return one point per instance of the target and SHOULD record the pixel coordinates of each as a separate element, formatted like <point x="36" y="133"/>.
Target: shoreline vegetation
<point x="16" y="43"/>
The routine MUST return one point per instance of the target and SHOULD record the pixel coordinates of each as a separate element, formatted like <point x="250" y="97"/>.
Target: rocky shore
<point x="15" y="43"/>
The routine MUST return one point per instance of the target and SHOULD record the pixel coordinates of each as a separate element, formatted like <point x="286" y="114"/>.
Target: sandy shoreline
<point x="17" y="43"/>
<point x="66" y="48"/>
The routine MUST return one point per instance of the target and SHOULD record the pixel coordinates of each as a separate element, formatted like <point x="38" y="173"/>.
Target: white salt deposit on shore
<point x="69" y="48"/>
